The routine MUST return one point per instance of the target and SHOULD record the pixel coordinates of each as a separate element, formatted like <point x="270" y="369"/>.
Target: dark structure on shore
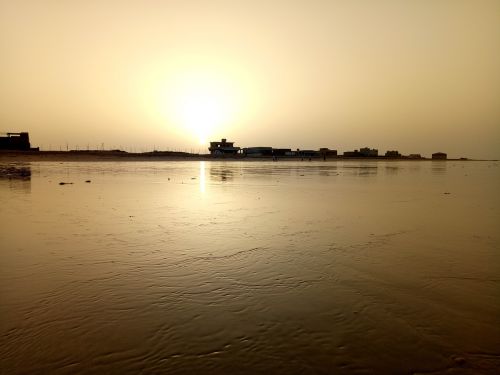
<point x="325" y="152"/>
<point x="414" y="156"/>
<point x="258" y="151"/>
<point x="439" y="156"/>
<point x="364" y="152"/>
<point x="368" y="152"/>
<point x="223" y="148"/>
<point x="16" y="142"/>
<point x="282" y="152"/>
<point x="393" y="154"/>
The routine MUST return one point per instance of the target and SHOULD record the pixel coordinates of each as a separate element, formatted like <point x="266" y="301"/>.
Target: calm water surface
<point x="250" y="267"/>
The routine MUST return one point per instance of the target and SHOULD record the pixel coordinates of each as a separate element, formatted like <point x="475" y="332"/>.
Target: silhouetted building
<point x="223" y="148"/>
<point x="16" y="141"/>
<point x="392" y="154"/>
<point x="308" y="153"/>
<point x="283" y="152"/>
<point x="439" y="156"/>
<point x="368" y="152"/>
<point x="415" y="156"/>
<point x="351" y="154"/>
<point x="326" y="152"/>
<point x="258" y="151"/>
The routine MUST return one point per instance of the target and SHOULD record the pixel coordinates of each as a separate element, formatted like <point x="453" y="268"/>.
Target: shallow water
<point x="250" y="267"/>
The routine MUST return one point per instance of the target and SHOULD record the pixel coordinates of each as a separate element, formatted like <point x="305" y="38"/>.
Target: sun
<point x="202" y="110"/>
<point x="201" y="105"/>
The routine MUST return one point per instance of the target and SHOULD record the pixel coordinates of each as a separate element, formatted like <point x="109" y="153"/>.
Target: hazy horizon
<point x="419" y="77"/>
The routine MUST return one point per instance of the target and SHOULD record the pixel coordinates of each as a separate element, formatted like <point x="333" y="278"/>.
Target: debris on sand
<point x="88" y="181"/>
<point x="65" y="183"/>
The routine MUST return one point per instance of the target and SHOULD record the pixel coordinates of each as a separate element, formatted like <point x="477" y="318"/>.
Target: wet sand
<point x="347" y="267"/>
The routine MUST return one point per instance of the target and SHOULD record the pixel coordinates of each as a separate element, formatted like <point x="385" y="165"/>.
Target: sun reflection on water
<point x="202" y="177"/>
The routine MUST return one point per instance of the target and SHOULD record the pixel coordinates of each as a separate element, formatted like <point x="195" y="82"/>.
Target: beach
<point x="234" y="267"/>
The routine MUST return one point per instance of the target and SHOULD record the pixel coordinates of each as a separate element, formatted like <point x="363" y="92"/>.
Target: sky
<point x="415" y="76"/>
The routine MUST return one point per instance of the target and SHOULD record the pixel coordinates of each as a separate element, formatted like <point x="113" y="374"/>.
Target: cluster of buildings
<point x="21" y="142"/>
<point x="228" y="148"/>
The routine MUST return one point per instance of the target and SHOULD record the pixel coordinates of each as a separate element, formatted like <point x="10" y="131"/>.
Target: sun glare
<point x="201" y="105"/>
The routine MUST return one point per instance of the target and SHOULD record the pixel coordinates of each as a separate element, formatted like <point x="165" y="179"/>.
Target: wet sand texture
<point x="248" y="268"/>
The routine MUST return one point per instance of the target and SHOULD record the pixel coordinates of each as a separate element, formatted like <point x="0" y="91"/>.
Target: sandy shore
<point x="97" y="156"/>
<point x="62" y="156"/>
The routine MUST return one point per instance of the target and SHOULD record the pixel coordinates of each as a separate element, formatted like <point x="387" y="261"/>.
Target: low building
<point x="368" y="152"/>
<point x="16" y="142"/>
<point x="392" y="154"/>
<point x="351" y="154"/>
<point x="258" y="151"/>
<point x="282" y="152"/>
<point x="439" y="156"/>
<point x="325" y="152"/>
<point x="415" y="156"/>
<point x="223" y="148"/>
<point x="308" y="153"/>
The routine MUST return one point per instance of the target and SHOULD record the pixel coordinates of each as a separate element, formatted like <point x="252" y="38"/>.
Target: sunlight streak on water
<point x="202" y="177"/>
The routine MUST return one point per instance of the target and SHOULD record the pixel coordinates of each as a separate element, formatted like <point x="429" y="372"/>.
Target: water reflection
<point x="391" y="169"/>
<point x="221" y="173"/>
<point x="16" y="177"/>
<point x="202" y="177"/>
<point x="362" y="169"/>
<point x="438" y="167"/>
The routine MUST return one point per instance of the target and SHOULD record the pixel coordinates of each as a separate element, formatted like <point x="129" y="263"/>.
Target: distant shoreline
<point x="35" y="156"/>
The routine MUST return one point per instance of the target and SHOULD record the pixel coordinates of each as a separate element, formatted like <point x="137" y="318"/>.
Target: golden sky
<point x="417" y="76"/>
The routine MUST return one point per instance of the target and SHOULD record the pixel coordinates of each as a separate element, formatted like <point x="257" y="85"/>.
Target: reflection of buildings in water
<point x="367" y="171"/>
<point x="221" y="173"/>
<point x="392" y="169"/>
<point x="362" y="170"/>
<point x="16" y="177"/>
<point x="415" y="167"/>
<point x="439" y="167"/>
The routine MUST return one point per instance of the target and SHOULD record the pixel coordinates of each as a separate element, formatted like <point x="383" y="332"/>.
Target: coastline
<point x="69" y="156"/>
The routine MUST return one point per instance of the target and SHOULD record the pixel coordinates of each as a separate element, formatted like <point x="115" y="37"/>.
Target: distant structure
<point x="258" y="151"/>
<point x="227" y="148"/>
<point x="308" y="153"/>
<point x="351" y="154"/>
<point x="439" y="156"/>
<point x="364" y="152"/>
<point x="392" y="154"/>
<point x="223" y="148"/>
<point x="368" y="152"/>
<point x="283" y="152"/>
<point x="16" y="142"/>
<point x="325" y="152"/>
